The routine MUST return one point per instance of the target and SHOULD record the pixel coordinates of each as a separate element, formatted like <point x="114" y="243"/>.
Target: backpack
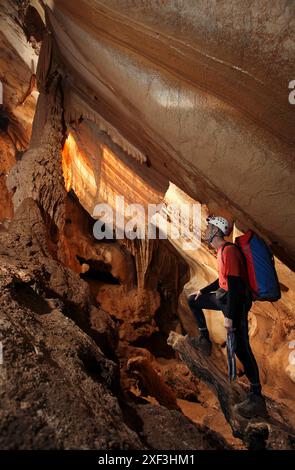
<point x="259" y="261"/>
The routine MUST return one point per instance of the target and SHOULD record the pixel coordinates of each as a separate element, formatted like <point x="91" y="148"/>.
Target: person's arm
<point x="210" y="288"/>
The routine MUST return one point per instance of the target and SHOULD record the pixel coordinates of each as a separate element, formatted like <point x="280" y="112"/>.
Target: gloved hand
<point x="228" y="324"/>
<point x="196" y="294"/>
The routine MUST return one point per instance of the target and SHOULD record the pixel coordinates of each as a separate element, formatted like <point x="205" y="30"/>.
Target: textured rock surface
<point x="58" y="390"/>
<point x="159" y="430"/>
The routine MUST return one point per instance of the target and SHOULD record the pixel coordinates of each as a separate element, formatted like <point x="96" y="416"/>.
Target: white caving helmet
<point x="221" y="223"/>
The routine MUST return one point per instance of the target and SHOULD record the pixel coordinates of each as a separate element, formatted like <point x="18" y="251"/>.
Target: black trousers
<point x="243" y="349"/>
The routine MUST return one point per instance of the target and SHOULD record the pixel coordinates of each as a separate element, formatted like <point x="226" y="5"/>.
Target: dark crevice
<point x="98" y="270"/>
<point x="33" y="25"/>
<point x="91" y="365"/>
<point x="28" y="298"/>
<point x="81" y="317"/>
<point x="156" y="344"/>
<point x="52" y="232"/>
<point x="4" y="121"/>
<point x="127" y="403"/>
<point x="99" y="371"/>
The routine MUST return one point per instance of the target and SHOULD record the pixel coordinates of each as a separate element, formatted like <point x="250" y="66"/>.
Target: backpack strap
<point x="227" y="244"/>
<point x="244" y="261"/>
<point x="235" y="245"/>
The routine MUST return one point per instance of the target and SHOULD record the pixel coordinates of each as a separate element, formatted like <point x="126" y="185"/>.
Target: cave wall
<point x="196" y="114"/>
<point x="18" y="62"/>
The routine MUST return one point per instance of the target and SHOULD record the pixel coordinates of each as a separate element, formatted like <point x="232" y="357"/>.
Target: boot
<point x="253" y="406"/>
<point x="201" y="343"/>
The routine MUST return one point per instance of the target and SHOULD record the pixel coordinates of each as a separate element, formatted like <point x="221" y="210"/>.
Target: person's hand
<point x="228" y="323"/>
<point x="196" y="294"/>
